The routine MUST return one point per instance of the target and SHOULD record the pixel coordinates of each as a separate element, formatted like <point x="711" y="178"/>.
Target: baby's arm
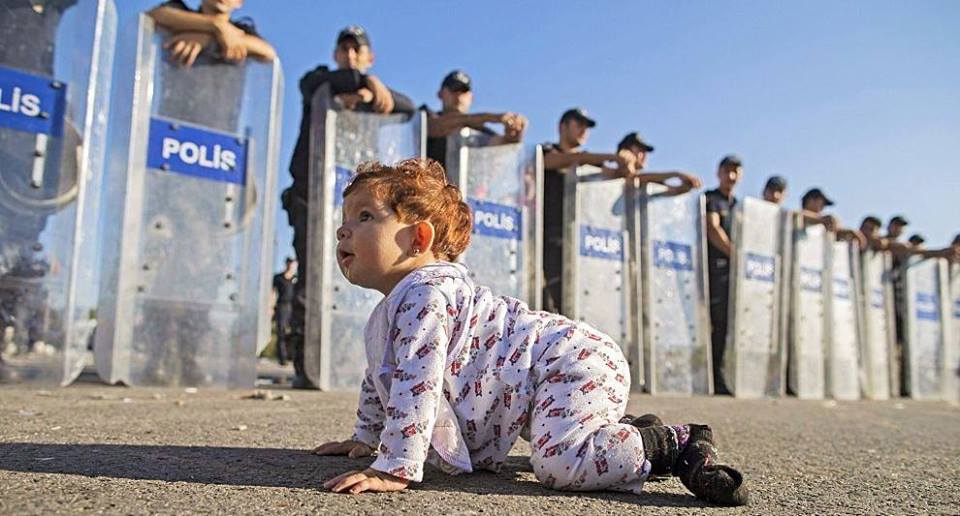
<point x="366" y="434"/>
<point x="420" y="351"/>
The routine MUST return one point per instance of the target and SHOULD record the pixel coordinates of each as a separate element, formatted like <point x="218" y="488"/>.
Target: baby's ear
<point x="423" y="236"/>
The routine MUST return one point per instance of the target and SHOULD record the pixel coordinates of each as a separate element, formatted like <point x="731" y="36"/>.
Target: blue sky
<point x="858" y="98"/>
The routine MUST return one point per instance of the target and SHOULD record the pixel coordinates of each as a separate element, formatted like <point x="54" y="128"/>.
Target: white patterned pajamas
<point x="455" y="375"/>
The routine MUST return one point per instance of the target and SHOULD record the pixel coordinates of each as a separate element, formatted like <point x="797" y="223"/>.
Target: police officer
<point x="775" y="190"/>
<point x="284" y="292"/>
<point x="633" y="148"/>
<point x="354" y="89"/>
<point x="870" y="228"/>
<point x="813" y="202"/>
<point x="456" y="97"/>
<point x="558" y="159"/>
<point x="721" y="203"/>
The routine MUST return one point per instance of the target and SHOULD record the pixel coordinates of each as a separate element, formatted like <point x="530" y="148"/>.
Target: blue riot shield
<point x="676" y="319"/>
<point x="337" y="311"/>
<point x="878" y="324"/>
<point x="55" y="62"/>
<point x="844" y="327"/>
<point x="808" y="308"/>
<point x="925" y="327"/>
<point x="502" y="185"/>
<point x="754" y="355"/>
<point x="188" y="232"/>
<point x="596" y="261"/>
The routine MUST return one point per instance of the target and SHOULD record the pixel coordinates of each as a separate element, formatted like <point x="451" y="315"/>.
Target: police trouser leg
<point x="297" y="212"/>
<point x="719" y="303"/>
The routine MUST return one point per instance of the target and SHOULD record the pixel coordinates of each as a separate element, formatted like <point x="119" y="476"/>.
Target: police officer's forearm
<point x="179" y="20"/>
<point x="718" y="237"/>
<point x="449" y="123"/>
<point x="259" y="49"/>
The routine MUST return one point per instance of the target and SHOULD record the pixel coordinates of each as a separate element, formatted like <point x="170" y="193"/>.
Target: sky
<point x="859" y="98"/>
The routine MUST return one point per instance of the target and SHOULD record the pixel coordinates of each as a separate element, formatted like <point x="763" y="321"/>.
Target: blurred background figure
<point x="775" y="190"/>
<point x="284" y="292"/>
<point x="916" y="240"/>
<point x="559" y="159"/>
<point x="456" y="97"/>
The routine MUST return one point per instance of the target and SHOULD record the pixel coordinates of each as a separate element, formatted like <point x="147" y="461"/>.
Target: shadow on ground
<point x="272" y="467"/>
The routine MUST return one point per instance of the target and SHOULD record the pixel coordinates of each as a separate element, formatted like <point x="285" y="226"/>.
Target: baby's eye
<point x="365" y="215"/>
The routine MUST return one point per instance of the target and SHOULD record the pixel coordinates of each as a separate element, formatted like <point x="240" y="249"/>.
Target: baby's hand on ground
<point x="352" y="449"/>
<point x="356" y="482"/>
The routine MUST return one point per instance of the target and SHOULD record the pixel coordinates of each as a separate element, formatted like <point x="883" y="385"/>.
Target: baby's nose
<point x="341" y="233"/>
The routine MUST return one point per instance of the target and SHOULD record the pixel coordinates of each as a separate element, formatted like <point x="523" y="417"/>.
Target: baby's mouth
<point x="344" y="257"/>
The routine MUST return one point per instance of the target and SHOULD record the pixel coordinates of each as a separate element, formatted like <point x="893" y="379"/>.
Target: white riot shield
<point x="502" y="185"/>
<point x="337" y="311"/>
<point x="596" y="288"/>
<point x="951" y="375"/>
<point x="754" y="355"/>
<point x="676" y="319"/>
<point x="879" y="336"/>
<point x="843" y="314"/>
<point x="192" y="182"/>
<point x="55" y="62"/>
<point x="924" y="318"/>
<point x="808" y="309"/>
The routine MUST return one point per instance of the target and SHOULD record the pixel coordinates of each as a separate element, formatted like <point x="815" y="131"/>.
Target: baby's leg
<point x="578" y="443"/>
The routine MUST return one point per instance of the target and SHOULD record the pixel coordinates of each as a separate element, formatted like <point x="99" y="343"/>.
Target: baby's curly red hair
<point x="417" y="190"/>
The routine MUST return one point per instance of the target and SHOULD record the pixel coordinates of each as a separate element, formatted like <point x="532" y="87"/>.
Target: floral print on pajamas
<point x="455" y="375"/>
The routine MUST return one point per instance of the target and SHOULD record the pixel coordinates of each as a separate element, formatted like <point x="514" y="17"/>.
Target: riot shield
<point x="502" y="184"/>
<point x="55" y="63"/>
<point x="754" y="347"/>
<point x="951" y="376"/>
<point x="924" y="318"/>
<point x="676" y="320"/>
<point x="337" y="311"/>
<point x="808" y="310"/>
<point x="843" y="314"/>
<point x="189" y="232"/>
<point x="879" y="336"/>
<point x="596" y="286"/>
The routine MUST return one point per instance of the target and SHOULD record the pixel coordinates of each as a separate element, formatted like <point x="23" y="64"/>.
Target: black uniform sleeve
<point x="341" y="81"/>
<point x="712" y="202"/>
<point x="402" y="103"/>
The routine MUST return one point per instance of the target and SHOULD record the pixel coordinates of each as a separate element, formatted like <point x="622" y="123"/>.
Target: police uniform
<point x="295" y="199"/>
<point x="553" y="199"/>
<point x="719" y="273"/>
<point x="437" y="145"/>
<point x="283" y="312"/>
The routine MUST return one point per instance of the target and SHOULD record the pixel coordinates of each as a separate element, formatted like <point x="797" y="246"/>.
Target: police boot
<point x="695" y="464"/>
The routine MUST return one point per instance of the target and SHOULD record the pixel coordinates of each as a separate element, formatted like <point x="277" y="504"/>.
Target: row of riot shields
<point x="634" y="267"/>
<point x="148" y="242"/>
<point x="814" y="316"/>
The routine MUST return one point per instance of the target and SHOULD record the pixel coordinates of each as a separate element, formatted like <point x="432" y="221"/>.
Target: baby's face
<point x="372" y="243"/>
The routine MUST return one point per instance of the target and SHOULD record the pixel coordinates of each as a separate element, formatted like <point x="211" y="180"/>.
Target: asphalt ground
<point x="91" y="448"/>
